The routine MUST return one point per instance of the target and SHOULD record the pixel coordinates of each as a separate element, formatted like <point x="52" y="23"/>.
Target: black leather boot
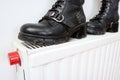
<point x="66" y="19"/>
<point x="106" y="20"/>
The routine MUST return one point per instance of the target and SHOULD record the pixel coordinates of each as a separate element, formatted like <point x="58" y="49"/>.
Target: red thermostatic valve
<point x="14" y="58"/>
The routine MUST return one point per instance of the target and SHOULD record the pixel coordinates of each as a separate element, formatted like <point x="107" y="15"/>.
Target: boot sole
<point x="50" y="40"/>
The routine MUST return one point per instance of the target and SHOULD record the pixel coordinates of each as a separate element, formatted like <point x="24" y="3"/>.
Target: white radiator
<point x="92" y="58"/>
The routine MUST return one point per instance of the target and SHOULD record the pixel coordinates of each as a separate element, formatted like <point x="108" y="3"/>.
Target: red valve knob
<point x="14" y="57"/>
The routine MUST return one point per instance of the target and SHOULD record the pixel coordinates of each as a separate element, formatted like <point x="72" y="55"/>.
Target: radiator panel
<point x="92" y="58"/>
<point x="101" y="63"/>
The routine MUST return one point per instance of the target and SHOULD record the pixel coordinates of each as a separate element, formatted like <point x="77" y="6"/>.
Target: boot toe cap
<point x="42" y="29"/>
<point x="95" y="28"/>
<point x="29" y="28"/>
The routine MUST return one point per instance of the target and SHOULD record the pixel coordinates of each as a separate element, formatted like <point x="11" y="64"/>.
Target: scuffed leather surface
<point x="111" y="15"/>
<point x="73" y="16"/>
<point x="44" y="28"/>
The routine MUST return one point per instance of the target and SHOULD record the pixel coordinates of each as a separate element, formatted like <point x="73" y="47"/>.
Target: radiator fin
<point x="32" y="45"/>
<point x="102" y="63"/>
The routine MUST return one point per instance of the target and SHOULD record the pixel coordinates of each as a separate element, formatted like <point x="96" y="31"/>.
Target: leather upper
<point x="45" y="28"/>
<point x="58" y="20"/>
<point x="107" y="14"/>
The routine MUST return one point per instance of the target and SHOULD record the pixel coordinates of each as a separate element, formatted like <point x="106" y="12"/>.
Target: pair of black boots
<point x="66" y="20"/>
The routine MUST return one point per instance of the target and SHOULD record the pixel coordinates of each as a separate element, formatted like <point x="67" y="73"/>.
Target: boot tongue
<point x="76" y="2"/>
<point x="107" y="0"/>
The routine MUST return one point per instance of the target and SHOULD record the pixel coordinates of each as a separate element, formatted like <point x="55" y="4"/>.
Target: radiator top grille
<point x="31" y="45"/>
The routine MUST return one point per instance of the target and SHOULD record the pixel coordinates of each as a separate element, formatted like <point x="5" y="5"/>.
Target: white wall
<point x="14" y="13"/>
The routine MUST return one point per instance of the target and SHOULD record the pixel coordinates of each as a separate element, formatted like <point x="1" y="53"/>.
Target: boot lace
<point x="57" y="5"/>
<point x="103" y="11"/>
<point x="54" y="12"/>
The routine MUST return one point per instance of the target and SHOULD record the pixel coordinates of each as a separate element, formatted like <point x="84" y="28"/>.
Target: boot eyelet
<point x="52" y="14"/>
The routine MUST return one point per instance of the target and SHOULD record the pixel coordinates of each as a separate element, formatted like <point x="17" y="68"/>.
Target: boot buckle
<point x="111" y="24"/>
<point x="59" y="20"/>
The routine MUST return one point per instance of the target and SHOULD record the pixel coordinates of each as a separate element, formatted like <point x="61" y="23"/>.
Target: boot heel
<point x="81" y="33"/>
<point x="113" y="27"/>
